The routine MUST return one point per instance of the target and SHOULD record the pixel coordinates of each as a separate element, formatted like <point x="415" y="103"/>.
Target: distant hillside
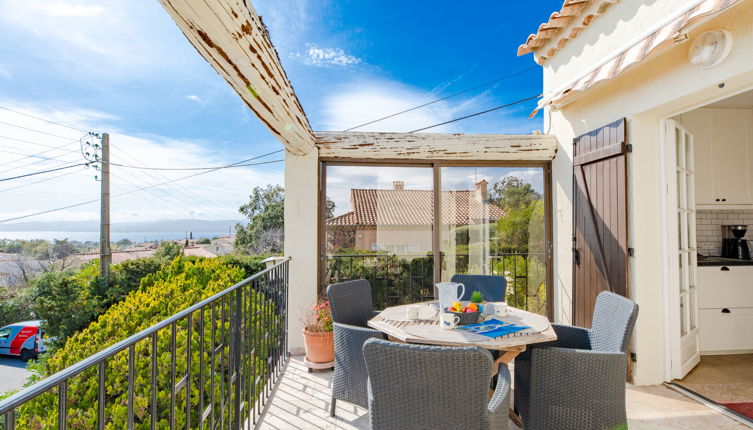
<point x="186" y="225"/>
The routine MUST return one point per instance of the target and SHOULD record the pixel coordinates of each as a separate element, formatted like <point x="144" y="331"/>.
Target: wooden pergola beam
<point x="233" y="39"/>
<point x="435" y="146"/>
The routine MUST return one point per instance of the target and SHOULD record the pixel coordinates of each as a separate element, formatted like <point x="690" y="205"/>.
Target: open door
<point x="681" y="240"/>
<point x="599" y="218"/>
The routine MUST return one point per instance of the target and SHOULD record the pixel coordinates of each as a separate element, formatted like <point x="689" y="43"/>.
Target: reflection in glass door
<point x="379" y="226"/>
<point x="493" y="222"/>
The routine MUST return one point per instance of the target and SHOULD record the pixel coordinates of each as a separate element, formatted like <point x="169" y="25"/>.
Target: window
<point x="405" y="227"/>
<point x="4" y="333"/>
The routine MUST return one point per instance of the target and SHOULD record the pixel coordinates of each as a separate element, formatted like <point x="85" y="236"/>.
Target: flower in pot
<point x="317" y="334"/>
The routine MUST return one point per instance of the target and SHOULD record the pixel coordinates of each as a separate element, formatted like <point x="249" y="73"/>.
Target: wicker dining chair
<point x="492" y="287"/>
<point x="434" y="387"/>
<point x="578" y="381"/>
<point x="352" y="307"/>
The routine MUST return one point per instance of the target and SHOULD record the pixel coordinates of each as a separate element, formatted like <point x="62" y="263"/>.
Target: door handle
<point x="576" y="257"/>
<point x="726" y="311"/>
<point x="724" y="269"/>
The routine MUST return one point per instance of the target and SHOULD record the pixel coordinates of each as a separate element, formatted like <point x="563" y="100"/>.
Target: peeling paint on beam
<point x="435" y="146"/>
<point x="233" y="39"/>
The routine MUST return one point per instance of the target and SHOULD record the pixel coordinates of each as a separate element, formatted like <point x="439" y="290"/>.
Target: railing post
<point x="235" y="378"/>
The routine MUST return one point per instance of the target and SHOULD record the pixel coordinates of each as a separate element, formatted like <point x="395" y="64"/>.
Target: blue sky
<point x="124" y="67"/>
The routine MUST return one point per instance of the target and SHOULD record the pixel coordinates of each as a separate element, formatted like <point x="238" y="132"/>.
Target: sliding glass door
<point x="405" y="227"/>
<point x="379" y="225"/>
<point x="493" y="222"/>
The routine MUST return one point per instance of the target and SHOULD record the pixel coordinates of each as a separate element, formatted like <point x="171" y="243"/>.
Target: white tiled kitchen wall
<point x="709" y="227"/>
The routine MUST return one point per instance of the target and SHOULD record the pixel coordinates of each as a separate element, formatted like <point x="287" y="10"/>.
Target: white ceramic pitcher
<point x="448" y="293"/>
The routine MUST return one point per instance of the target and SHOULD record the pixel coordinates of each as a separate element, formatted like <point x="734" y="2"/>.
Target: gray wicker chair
<point x="432" y="387"/>
<point x="578" y="381"/>
<point x="352" y="307"/>
<point x="492" y="287"/>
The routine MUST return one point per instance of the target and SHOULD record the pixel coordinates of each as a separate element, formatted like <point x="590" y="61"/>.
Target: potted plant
<point x="317" y="334"/>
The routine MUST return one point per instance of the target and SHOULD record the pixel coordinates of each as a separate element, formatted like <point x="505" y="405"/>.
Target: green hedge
<point x="177" y="286"/>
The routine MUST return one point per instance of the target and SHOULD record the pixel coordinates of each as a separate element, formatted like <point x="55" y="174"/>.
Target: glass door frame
<point x="436" y="166"/>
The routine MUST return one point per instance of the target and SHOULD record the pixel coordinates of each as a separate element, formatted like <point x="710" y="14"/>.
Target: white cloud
<point x="366" y="100"/>
<point x="119" y="37"/>
<point x="5" y="73"/>
<point x="196" y="99"/>
<point x="63" y="9"/>
<point x="323" y="57"/>
<point x="206" y="196"/>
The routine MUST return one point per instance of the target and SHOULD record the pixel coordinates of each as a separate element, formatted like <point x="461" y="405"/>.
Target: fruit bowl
<point x="466" y="318"/>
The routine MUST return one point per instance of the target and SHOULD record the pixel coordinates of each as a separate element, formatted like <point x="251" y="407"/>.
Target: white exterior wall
<point x="660" y="87"/>
<point x="301" y="241"/>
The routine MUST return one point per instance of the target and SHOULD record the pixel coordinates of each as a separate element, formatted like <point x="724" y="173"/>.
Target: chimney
<point x="398" y="185"/>
<point x="482" y="190"/>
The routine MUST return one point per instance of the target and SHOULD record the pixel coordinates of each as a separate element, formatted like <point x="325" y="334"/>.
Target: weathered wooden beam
<point x="233" y="39"/>
<point x="435" y="146"/>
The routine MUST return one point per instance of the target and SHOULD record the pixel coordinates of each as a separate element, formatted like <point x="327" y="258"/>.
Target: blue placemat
<point x="492" y="328"/>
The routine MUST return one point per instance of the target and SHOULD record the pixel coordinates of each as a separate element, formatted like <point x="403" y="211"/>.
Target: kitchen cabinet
<point x="723" y="146"/>
<point x="725" y="308"/>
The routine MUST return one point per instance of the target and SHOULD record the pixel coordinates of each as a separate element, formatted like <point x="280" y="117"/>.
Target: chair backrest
<point x="351" y="302"/>
<point x="613" y="322"/>
<point x="492" y="287"/>
<point x="419" y="386"/>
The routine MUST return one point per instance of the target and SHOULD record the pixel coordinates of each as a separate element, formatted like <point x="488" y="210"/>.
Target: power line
<point x="41" y="144"/>
<point x="35" y="130"/>
<point x="42" y="119"/>
<point x="40" y="153"/>
<point x="133" y="191"/>
<point x="41" y="180"/>
<point x="41" y="172"/>
<point x="176" y="187"/>
<point x="199" y="168"/>
<point x="485" y="84"/>
<point x="476" y="114"/>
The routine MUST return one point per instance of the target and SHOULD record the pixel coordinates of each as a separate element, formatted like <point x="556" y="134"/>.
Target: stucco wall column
<point x="301" y="203"/>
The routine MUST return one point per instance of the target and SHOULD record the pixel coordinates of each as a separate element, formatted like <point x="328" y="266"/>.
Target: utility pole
<point x="105" y="257"/>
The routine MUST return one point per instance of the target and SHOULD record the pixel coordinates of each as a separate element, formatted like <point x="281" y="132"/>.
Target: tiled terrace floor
<point x="302" y="402"/>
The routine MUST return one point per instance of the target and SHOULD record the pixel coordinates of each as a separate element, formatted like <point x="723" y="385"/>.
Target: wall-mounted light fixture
<point x="710" y="48"/>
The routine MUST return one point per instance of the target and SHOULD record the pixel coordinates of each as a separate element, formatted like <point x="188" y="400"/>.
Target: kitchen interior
<point x="723" y="174"/>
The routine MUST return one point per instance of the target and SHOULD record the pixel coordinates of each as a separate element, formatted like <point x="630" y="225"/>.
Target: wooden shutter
<point x="599" y="218"/>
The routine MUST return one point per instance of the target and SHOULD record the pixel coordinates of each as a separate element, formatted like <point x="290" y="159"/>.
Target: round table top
<point x="393" y="321"/>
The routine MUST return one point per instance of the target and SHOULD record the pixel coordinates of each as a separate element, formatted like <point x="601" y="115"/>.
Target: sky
<point x="123" y="67"/>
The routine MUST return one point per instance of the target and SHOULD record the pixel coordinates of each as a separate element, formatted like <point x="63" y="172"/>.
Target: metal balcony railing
<point x="399" y="279"/>
<point x="225" y="355"/>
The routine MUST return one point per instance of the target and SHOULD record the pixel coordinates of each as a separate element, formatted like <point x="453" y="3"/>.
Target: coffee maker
<point x="733" y="244"/>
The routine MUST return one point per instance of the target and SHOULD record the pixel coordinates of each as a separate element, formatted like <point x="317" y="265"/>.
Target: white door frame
<point x="671" y="317"/>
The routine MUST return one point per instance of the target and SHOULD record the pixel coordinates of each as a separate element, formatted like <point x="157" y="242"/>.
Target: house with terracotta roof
<point x="400" y="221"/>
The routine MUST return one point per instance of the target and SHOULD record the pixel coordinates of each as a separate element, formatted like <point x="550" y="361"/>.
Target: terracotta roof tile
<point x="572" y="14"/>
<point x="412" y="207"/>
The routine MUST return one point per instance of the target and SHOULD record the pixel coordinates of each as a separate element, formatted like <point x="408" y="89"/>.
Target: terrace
<point x="428" y="216"/>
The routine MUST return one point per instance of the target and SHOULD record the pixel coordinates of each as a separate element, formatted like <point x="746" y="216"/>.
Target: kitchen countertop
<point x="720" y="261"/>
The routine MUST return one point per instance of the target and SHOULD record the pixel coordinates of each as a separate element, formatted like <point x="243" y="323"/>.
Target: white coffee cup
<point x="448" y="320"/>
<point x="411" y="312"/>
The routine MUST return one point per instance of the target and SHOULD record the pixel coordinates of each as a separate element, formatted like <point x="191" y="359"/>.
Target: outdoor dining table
<point x="425" y="329"/>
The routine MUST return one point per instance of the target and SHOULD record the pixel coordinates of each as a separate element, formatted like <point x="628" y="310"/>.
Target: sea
<point x="93" y="236"/>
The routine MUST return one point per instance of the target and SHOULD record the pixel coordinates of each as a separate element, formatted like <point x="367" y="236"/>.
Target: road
<point x="13" y="373"/>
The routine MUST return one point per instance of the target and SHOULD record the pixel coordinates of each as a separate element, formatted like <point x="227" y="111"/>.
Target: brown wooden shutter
<point x="599" y="218"/>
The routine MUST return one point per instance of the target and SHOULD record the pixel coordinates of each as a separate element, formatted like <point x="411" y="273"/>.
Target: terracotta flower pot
<point x="320" y="346"/>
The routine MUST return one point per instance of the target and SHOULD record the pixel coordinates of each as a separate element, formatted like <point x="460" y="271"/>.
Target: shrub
<point x="175" y="287"/>
<point x="69" y="301"/>
<point x="250" y="264"/>
<point x="203" y="241"/>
